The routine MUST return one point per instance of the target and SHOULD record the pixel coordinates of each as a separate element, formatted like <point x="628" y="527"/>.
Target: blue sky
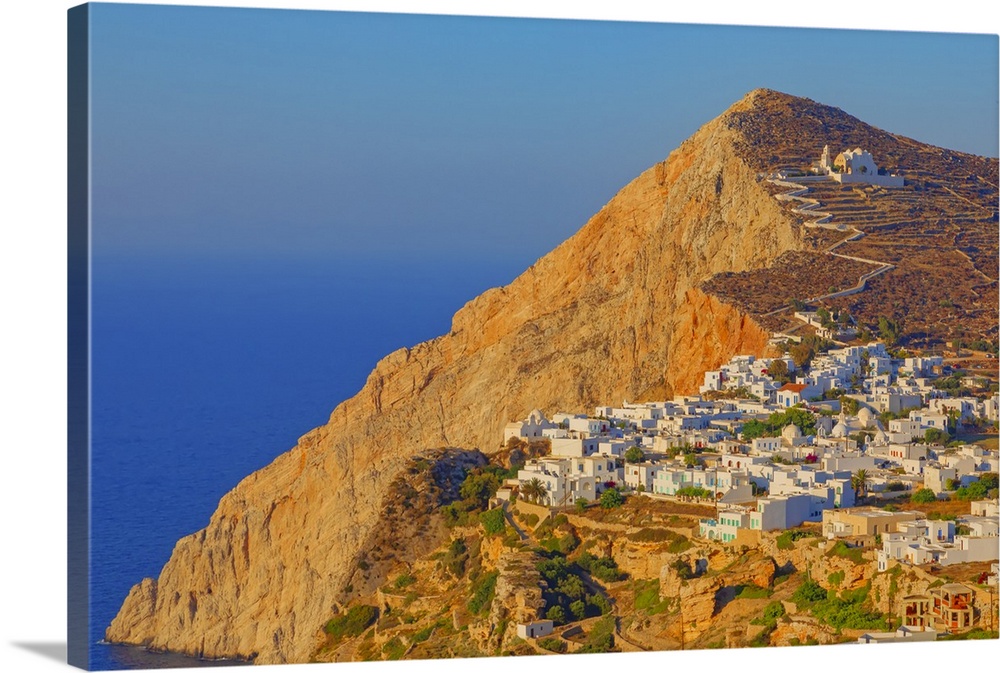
<point x="297" y="133"/>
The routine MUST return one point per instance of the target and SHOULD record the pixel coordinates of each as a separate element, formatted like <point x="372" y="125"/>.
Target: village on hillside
<point x="843" y="442"/>
<point x="835" y="437"/>
<point x="842" y="488"/>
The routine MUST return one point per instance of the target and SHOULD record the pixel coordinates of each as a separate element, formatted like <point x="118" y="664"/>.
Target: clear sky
<point x="294" y="133"/>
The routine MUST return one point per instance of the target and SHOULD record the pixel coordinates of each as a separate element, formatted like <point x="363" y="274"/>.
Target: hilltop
<point x="634" y="306"/>
<point x="939" y="230"/>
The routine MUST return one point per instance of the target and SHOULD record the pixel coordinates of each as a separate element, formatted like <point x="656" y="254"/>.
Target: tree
<point x="479" y="487"/>
<point x="634" y="455"/>
<point x="572" y="586"/>
<point x="923" y="496"/>
<point x="859" y="482"/>
<point x="889" y="330"/>
<point x="802" y="354"/>
<point x="556" y="614"/>
<point x="534" y="490"/>
<point x="612" y="498"/>
<point x="690" y="459"/>
<point x="778" y="370"/>
<point x="935" y="436"/>
<point x="581" y="505"/>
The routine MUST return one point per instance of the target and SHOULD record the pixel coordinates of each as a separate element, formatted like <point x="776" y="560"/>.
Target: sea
<point x="206" y="369"/>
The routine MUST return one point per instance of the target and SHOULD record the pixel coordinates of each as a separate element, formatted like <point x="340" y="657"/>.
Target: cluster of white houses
<point x="774" y="483"/>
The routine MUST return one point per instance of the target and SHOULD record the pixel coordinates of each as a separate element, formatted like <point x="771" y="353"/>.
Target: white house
<point x="641" y="475"/>
<point x="536" y="629"/>
<point x="574" y="447"/>
<point x="936" y="477"/>
<point x="791" y="394"/>
<point x="568" y="479"/>
<point x="765" y="445"/>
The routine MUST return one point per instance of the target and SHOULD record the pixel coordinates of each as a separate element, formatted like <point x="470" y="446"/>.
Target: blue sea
<point x="204" y="370"/>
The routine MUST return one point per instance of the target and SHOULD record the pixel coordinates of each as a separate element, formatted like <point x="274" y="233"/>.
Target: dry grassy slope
<point x="940" y="230"/>
<point x="611" y="313"/>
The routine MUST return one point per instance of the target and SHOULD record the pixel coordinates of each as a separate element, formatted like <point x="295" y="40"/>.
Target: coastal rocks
<point x="610" y="314"/>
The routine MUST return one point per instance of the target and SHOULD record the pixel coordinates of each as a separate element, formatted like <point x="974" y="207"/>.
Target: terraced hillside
<point x="939" y="231"/>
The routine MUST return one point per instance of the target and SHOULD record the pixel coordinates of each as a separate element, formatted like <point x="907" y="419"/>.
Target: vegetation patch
<point x="557" y="645"/>
<point x="493" y="521"/>
<point x="647" y="597"/>
<point x="352" y="623"/>
<point x="753" y="591"/>
<point x="787" y="539"/>
<point x="849" y="610"/>
<point x="602" y="567"/>
<point x="483" y="591"/>
<point x="855" y="554"/>
<point x="602" y="637"/>
<point x="455" y="558"/>
<point x="566" y="594"/>
<point x="394" y="649"/>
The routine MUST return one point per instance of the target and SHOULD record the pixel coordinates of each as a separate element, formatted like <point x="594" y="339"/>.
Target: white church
<point x="856" y="167"/>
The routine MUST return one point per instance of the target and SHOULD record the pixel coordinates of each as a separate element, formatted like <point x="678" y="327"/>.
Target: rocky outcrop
<point x="613" y="313"/>
<point x="701" y="598"/>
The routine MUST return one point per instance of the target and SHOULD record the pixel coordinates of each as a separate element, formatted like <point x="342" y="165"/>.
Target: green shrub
<point x="394" y="649"/>
<point x="693" y="492"/>
<point x="834" y="579"/>
<point x="353" y="622"/>
<point x="493" y="521"/>
<point x="403" y="581"/>
<point x="652" y="535"/>
<point x="483" y="591"/>
<point x="612" y="498"/>
<point x="602" y="567"/>
<point x="601" y="638"/>
<point x="809" y="592"/>
<point x="787" y="539"/>
<point x="423" y="634"/>
<point x="553" y="569"/>
<point x="774" y="610"/>
<point x="551" y="644"/>
<point x="753" y="591"/>
<point x="456" y="557"/>
<point x="842" y="550"/>
<point x="568" y="542"/>
<point x="578" y="608"/>
<point x="923" y="496"/>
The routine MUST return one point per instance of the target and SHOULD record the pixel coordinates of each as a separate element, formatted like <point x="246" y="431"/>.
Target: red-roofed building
<point x="791" y="394"/>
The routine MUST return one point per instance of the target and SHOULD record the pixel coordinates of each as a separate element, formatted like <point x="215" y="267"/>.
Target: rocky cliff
<point x="613" y="313"/>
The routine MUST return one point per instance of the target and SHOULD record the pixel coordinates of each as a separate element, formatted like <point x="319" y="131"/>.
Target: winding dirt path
<point x="796" y="192"/>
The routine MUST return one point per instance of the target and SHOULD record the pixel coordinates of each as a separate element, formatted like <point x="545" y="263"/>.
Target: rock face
<point x="612" y="313"/>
